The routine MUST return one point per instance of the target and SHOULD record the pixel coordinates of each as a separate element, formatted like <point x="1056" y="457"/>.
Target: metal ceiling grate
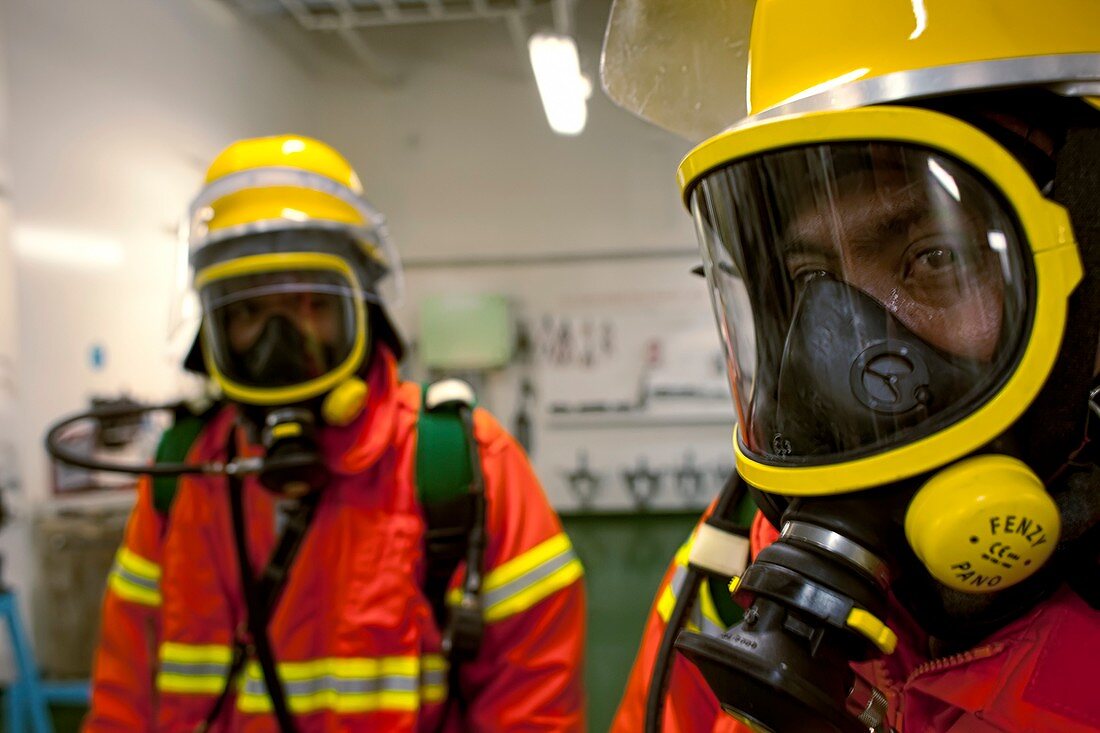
<point x="332" y="15"/>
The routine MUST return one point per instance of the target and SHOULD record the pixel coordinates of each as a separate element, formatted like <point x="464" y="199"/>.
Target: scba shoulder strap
<point x="451" y="489"/>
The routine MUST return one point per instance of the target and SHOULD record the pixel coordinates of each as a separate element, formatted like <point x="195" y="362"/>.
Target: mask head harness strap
<point x="1059" y="423"/>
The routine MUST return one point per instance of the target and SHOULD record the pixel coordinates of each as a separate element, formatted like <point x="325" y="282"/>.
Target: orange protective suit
<point x="354" y="637"/>
<point x="1032" y="676"/>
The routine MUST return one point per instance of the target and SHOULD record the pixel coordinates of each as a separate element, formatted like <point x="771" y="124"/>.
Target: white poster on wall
<point x="620" y="390"/>
<point x="634" y="406"/>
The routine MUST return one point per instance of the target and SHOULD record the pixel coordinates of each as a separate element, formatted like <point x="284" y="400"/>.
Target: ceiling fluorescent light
<point x="562" y="87"/>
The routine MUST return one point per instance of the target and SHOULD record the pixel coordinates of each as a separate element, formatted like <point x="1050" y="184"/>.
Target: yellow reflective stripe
<point x="334" y="701"/>
<point x="135" y="579"/>
<point x="171" y="651"/>
<point x="525" y="563"/>
<point x="706" y="602"/>
<point x="433" y="687"/>
<point x="138" y="565"/>
<point x="193" y="669"/>
<point x="360" y="667"/>
<point x="350" y="684"/>
<point x="434" y="693"/>
<point x="434" y="663"/>
<point x="190" y="684"/>
<point x="130" y="591"/>
<point x="528" y="597"/>
<point x="665" y="604"/>
<point x="526" y="579"/>
<point x="667" y="598"/>
<point x="684" y="552"/>
<point x="705" y="613"/>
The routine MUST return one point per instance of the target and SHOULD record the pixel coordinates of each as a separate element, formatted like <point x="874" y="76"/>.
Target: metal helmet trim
<point x="1071" y="75"/>
<point x="357" y="212"/>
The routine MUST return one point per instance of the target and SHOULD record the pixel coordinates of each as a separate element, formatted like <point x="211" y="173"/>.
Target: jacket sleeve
<point x="124" y="667"/>
<point x="528" y="674"/>
<point x="689" y="705"/>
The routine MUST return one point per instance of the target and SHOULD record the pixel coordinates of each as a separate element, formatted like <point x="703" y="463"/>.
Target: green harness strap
<point x="174" y="446"/>
<point x="443" y="470"/>
<point x="444" y="475"/>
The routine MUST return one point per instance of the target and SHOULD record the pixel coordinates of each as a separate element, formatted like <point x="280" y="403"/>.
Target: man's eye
<point x="805" y="274"/>
<point x="936" y="258"/>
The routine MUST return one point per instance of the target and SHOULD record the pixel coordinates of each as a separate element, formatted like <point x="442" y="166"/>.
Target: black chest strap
<point x="261" y="597"/>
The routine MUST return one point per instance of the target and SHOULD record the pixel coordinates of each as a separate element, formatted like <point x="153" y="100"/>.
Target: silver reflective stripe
<point x="135" y="579"/>
<point x="283" y="176"/>
<point x="529" y="578"/>
<point x="705" y="625"/>
<point x="342" y="685"/>
<point x="434" y="677"/>
<point x="678" y="578"/>
<point x="198" y="669"/>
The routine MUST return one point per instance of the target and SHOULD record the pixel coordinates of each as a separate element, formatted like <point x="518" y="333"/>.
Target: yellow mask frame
<point x="1047" y="234"/>
<point x="286" y="262"/>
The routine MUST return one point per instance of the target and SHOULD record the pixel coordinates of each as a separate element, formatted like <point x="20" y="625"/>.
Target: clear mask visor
<point x="868" y="294"/>
<point x="281" y="329"/>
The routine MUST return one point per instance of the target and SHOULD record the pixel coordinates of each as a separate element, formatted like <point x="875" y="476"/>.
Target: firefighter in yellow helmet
<point x="357" y="553"/>
<point x="899" y="218"/>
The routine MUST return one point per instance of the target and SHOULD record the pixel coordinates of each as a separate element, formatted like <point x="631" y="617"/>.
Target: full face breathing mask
<point x="891" y="288"/>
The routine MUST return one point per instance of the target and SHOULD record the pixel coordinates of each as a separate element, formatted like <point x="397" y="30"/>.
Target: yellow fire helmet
<point x="292" y="266"/>
<point x="827" y="128"/>
<point x="886" y="230"/>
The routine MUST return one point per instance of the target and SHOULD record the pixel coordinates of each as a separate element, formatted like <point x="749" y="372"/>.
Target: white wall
<point x="8" y="319"/>
<point x="116" y="107"/>
<point x="10" y="460"/>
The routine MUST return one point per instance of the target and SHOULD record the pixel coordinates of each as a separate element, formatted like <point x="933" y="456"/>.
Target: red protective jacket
<point x="356" y="644"/>
<point x="1036" y="675"/>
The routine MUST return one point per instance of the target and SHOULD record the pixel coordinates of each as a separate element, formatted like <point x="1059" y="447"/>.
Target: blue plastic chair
<point x="28" y="698"/>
